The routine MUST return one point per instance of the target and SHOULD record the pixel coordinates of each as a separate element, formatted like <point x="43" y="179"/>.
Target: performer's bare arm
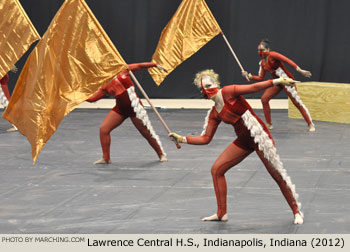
<point x="260" y="77"/>
<point x="199" y="140"/>
<point x="97" y="96"/>
<point x="140" y="66"/>
<point x="283" y="58"/>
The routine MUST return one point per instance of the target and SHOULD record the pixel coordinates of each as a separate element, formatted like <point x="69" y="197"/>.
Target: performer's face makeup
<point x="262" y="51"/>
<point x="208" y="88"/>
<point x="206" y="83"/>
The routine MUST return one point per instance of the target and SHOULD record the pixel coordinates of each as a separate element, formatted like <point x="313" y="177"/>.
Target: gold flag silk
<point x="191" y="27"/>
<point x="72" y="60"/>
<point x="17" y="33"/>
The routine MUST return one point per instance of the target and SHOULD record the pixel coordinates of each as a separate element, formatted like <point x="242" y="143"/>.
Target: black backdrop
<point x="313" y="33"/>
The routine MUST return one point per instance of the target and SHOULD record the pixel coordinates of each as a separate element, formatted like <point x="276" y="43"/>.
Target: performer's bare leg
<point x="147" y="135"/>
<point x="302" y="111"/>
<point x="265" y="99"/>
<point x="231" y="156"/>
<point x="111" y="121"/>
<point x="286" y="191"/>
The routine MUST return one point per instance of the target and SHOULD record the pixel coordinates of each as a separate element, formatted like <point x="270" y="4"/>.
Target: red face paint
<point x="263" y="54"/>
<point x="209" y="92"/>
<point x="262" y="51"/>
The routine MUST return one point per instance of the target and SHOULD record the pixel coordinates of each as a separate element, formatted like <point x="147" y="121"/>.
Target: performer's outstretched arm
<point x="140" y="66"/>
<point x="252" y="88"/>
<point x="260" y="77"/>
<point x="206" y="137"/>
<point x="236" y="90"/>
<point x="97" y="96"/>
<point x="283" y="58"/>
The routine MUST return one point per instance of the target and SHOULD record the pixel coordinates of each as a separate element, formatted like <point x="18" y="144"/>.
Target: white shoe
<point x="312" y="128"/>
<point x="102" y="161"/>
<point x="298" y="219"/>
<point x="215" y="217"/>
<point x="12" y="129"/>
<point x="269" y="126"/>
<point x="163" y="158"/>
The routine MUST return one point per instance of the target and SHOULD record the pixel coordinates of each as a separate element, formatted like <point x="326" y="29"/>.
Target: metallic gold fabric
<point x="17" y="33"/>
<point x="191" y="27"/>
<point x="72" y="60"/>
<point x="325" y="101"/>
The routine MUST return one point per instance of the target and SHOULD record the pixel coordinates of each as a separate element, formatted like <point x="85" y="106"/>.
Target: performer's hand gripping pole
<point x="233" y="53"/>
<point x="149" y="102"/>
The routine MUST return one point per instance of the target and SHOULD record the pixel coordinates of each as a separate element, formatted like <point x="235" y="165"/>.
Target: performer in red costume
<point x="5" y="94"/>
<point x="252" y="135"/>
<point x="127" y="105"/>
<point x="272" y="62"/>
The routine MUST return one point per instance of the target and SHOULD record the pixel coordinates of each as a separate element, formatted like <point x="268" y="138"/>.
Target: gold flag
<point x="17" y="34"/>
<point x="192" y="26"/>
<point x="72" y="60"/>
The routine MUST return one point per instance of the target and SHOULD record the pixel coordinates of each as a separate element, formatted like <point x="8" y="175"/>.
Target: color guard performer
<point x="128" y="104"/>
<point x="272" y="62"/>
<point x="252" y="135"/>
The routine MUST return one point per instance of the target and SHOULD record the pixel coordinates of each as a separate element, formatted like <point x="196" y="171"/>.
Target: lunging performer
<point x="252" y="135"/>
<point x="272" y="62"/>
<point x="128" y="104"/>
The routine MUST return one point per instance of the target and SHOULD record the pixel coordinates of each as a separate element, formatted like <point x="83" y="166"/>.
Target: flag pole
<point x="233" y="53"/>
<point x="149" y="102"/>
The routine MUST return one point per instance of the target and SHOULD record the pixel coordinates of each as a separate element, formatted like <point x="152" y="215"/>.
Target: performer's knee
<point x="216" y="171"/>
<point x="265" y="100"/>
<point x="213" y="171"/>
<point x="104" y="130"/>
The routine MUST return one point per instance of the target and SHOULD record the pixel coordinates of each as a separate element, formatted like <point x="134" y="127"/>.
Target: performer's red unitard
<point x="127" y="105"/>
<point x="5" y="94"/>
<point x="272" y="62"/>
<point x="252" y="135"/>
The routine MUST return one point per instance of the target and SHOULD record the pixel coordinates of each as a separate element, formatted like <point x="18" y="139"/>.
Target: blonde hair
<point x="208" y="72"/>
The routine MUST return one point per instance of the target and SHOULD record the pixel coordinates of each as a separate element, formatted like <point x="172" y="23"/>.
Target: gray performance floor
<point x="65" y="193"/>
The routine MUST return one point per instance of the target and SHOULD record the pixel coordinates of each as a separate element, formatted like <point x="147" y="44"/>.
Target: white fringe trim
<point x="142" y="115"/>
<point x="206" y="122"/>
<point x="3" y="100"/>
<point x="265" y="145"/>
<point x="293" y="92"/>
<point x="260" y="68"/>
